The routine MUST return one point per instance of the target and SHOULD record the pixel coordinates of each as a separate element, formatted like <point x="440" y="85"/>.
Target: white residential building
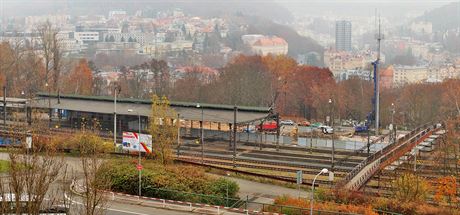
<point x="410" y="74"/>
<point x="87" y="36"/>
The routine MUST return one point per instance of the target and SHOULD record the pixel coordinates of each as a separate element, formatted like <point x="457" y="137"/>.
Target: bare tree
<point x="52" y="53"/>
<point x="32" y="182"/>
<point x="91" y="159"/>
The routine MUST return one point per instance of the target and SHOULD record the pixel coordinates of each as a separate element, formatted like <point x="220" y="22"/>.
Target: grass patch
<point x="4" y="166"/>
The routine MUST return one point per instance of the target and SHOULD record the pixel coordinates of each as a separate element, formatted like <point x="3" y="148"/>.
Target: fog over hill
<point x="392" y="9"/>
<point x="443" y="18"/>
<point x="266" y="8"/>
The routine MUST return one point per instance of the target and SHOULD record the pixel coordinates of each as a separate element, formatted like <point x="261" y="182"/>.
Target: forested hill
<point x="298" y="44"/>
<point x="443" y="18"/>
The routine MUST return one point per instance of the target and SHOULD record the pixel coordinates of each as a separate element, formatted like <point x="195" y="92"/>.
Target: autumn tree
<point x="446" y="190"/>
<point x="193" y="84"/>
<point x="244" y="81"/>
<point x="163" y="128"/>
<point x="447" y="160"/>
<point x="310" y="90"/>
<point x="355" y="97"/>
<point x="80" y="80"/>
<point x="420" y="102"/>
<point x="451" y="97"/>
<point x="161" y="76"/>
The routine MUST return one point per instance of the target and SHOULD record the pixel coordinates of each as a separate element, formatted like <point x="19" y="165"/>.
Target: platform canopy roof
<point x="187" y="110"/>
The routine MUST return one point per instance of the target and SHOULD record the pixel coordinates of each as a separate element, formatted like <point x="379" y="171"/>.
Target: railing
<point x="383" y="156"/>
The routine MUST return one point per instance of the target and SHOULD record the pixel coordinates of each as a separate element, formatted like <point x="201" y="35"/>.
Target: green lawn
<point x="4" y="166"/>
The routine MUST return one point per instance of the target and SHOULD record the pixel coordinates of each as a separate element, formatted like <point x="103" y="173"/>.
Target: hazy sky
<point x="387" y="8"/>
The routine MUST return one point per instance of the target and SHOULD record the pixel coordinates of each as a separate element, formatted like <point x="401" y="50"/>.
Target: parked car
<point x="361" y="128"/>
<point x="287" y="122"/>
<point x="316" y="125"/>
<point x="249" y="129"/>
<point x="327" y="129"/>
<point x="304" y="123"/>
<point x="267" y="126"/>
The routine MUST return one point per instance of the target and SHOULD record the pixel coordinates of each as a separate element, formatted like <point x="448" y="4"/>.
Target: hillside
<point x="443" y="18"/>
<point x="297" y="44"/>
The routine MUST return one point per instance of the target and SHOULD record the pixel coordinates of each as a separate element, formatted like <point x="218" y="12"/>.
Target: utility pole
<point x="331" y="120"/>
<point x="277" y="131"/>
<point x="178" y="135"/>
<point x="235" y="110"/>
<point x="393" y="128"/>
<point x="230" y="135"/>
<point x="201" y="132"/>
<point x="139" y="161"/>
<point x="4" y="106"/>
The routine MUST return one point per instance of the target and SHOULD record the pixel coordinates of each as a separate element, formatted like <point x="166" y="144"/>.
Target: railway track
<point x="271" y="163"/>
<point x="218" y="165"/>
<point x="253" y="166"/>
<point x="258" y="155"/>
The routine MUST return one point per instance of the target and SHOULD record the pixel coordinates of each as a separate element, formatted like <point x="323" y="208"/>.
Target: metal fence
<point x="307" y="142"/>
<point x="246" y="206"/>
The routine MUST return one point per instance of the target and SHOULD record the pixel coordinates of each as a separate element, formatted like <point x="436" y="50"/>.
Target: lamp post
<point x="25" y="107"/>
<point x="117" y="90"/>
<point x="49" y="103"/>
<point x="201" y="132"/>
<point x="139" y="167"/>
<point x="313" y="189"/>
<point x="228" y="175"/>
<point x="331" y="121"/>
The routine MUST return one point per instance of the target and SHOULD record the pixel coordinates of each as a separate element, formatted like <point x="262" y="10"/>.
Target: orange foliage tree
<point x="80" y="80"/>
<point x="451" y="96"/>
<point x="446" y="190"/>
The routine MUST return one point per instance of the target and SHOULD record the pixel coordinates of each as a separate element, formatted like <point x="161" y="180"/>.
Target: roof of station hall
<point x="187" y="110"/>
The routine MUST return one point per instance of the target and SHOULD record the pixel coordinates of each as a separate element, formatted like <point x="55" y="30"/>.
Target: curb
<point x="240" y="210"/>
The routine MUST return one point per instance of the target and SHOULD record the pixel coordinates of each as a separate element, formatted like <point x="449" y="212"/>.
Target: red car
<point x="267" y="126"/>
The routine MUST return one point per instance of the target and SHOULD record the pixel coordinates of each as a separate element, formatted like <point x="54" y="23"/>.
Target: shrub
<point x="87" y="142"/>
<point x="410" y="188"/>
<point x="180" y="182"/>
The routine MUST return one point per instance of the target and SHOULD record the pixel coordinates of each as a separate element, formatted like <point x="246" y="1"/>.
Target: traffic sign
<point x="139" y="167"/>
<point x="331" y="176"/>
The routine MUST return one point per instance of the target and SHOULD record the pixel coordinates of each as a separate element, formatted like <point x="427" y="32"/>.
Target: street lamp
<point x="139" y="167"/>
<point x="228" y="175"/>
<point x="201" y="132"/>
<point x="323" y="171"/>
